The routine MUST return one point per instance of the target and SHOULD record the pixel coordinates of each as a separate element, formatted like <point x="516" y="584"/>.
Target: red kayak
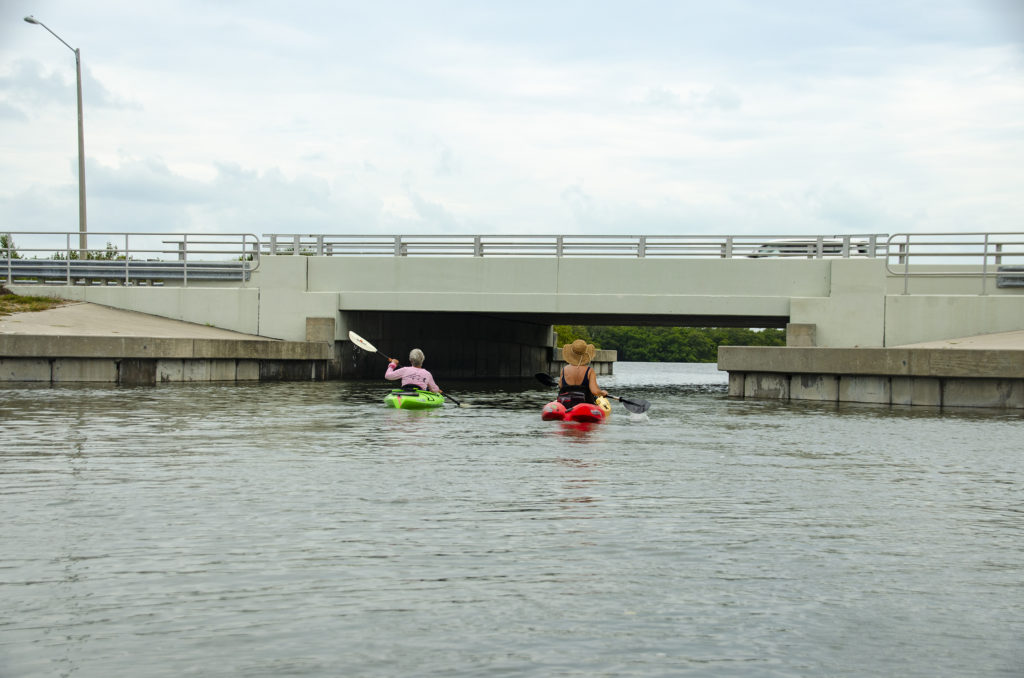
<point x="584" y="412"/>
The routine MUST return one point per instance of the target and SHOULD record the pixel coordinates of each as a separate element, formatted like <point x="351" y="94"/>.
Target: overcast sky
<point x="605" y="116"/>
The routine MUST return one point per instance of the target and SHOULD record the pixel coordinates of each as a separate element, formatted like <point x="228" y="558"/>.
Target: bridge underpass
<point x="486" y="345"/>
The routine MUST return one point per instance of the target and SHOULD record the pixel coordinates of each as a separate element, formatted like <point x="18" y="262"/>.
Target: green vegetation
<point x="7" y="247"/>
<point x="12" y="303"/>
<point x="669" y="344"/>
<point x="109" y="254"/>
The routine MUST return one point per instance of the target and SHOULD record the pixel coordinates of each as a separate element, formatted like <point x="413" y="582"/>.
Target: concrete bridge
<point x="484" y="306"/>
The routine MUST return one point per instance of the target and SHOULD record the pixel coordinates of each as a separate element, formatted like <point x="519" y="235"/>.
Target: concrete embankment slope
<point x="980" y="371"/>
<point x="88" y="342"/>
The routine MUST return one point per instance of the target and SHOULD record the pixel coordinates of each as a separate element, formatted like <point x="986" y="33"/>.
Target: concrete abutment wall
<point x="882" y="390"/>
<point x="150" y="371"/>
<point x="897" y="376"/>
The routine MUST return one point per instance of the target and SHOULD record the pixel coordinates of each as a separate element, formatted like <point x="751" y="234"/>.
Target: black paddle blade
<point x="546" y="379"/>
<point x="638" y="406"/>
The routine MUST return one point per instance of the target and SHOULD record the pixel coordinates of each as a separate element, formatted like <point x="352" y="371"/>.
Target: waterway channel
<point x="302" y="529"/>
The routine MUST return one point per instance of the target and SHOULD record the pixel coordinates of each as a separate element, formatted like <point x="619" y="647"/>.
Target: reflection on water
<point x="304" y="529"/>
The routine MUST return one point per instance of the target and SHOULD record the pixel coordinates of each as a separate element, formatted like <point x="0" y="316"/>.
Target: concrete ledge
<point x="900" y="361"/>
<point x="801" y="334"/>
<point x="998" y="393"/>
<point x="150" y="371"/>
<point x="941" y="377"/>
<point x="84" y="369"/>
<point x="916" y="391"/>
<point x="814" y="387"/>
<point x="25" y="369"/>
<point x="760" y="385"/>
<point x="36" y="346"/>
<point x="152" y="360"/>
<point x="865" y="389"/>
<point x="881" y="390"/>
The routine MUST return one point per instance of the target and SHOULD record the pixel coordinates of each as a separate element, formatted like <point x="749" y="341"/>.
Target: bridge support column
<point x="456" y="345"/>
<point x="853" y="312"/>
<point x="801" y="334"/>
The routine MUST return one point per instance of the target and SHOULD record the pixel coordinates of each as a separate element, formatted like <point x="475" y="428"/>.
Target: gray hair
<point x="416" y="357"/>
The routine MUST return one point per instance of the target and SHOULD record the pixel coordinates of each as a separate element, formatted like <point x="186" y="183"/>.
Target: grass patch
<point x="13" y="303"/>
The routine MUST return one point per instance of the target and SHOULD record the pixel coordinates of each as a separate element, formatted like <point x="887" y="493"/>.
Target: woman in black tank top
<point x="578" y="382"/>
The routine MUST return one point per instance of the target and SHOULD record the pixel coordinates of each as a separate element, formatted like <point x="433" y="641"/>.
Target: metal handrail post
<point x="641" y="247"/>
<point x="255" y="257"/>
<point x="559" y="246"/>
<point x="984" y="267"/>
<point x="478" y="247"/>
<point x="905" y="258"/>
<point x="184" y="260"/>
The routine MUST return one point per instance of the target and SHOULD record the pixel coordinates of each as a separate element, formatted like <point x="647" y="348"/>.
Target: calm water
<point x="302" y="529"/>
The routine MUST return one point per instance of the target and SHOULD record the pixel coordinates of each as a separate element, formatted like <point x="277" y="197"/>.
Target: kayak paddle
<point x="370" y="348"/>
<point x="365" y="345"/>
<point x="637" y="405"/>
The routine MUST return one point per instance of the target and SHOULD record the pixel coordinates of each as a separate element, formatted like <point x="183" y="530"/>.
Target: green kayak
<point x="413" y="400"/>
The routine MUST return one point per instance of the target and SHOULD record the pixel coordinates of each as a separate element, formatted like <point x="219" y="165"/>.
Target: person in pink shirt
<point x="414" y="375"/>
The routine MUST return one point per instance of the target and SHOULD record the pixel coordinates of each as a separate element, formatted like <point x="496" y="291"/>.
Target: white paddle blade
<point x="361" y="343"/>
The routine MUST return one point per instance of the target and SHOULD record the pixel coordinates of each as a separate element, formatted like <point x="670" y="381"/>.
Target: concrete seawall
<point x="984" y="371"/>
<point x="88" y="343"/>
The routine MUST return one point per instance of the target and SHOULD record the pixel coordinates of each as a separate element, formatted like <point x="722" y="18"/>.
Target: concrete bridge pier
<point x="456" y="345"/>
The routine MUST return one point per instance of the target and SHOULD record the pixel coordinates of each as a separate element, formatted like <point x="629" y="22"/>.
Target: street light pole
<point x="82" y="243"/>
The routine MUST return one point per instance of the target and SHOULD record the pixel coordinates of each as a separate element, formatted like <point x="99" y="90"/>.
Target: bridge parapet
<point x="843" y="291"/>
<point x="869" y="245"/>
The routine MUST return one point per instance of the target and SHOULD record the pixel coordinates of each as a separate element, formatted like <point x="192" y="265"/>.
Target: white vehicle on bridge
<point x="813" y="248"/>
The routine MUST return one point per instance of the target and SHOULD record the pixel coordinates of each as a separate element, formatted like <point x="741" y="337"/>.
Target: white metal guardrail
<point x="641" y="246"/>
<point x="178" y="258"/>
<point x="987" y="256"/>
<point x="127" y="258"/>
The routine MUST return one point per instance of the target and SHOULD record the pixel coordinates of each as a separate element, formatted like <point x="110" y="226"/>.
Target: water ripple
<point x="303" y="529"/>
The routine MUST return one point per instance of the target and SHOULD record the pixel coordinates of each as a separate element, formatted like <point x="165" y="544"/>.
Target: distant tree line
<point x="669" y="344"/>
<point x="9" y="250"/>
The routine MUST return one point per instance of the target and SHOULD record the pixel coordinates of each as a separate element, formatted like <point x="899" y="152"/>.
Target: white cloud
<point x="530" y="117"/>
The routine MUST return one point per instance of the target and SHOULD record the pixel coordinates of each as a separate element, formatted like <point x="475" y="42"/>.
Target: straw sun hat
<point x="578" y="352"/>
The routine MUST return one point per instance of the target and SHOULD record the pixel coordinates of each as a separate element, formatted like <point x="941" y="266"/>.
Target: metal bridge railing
<point x="637" y="246"/>
<point x="986" y="256"/>
<point x="127" y="258"/>
<point x="181" y="258"/>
